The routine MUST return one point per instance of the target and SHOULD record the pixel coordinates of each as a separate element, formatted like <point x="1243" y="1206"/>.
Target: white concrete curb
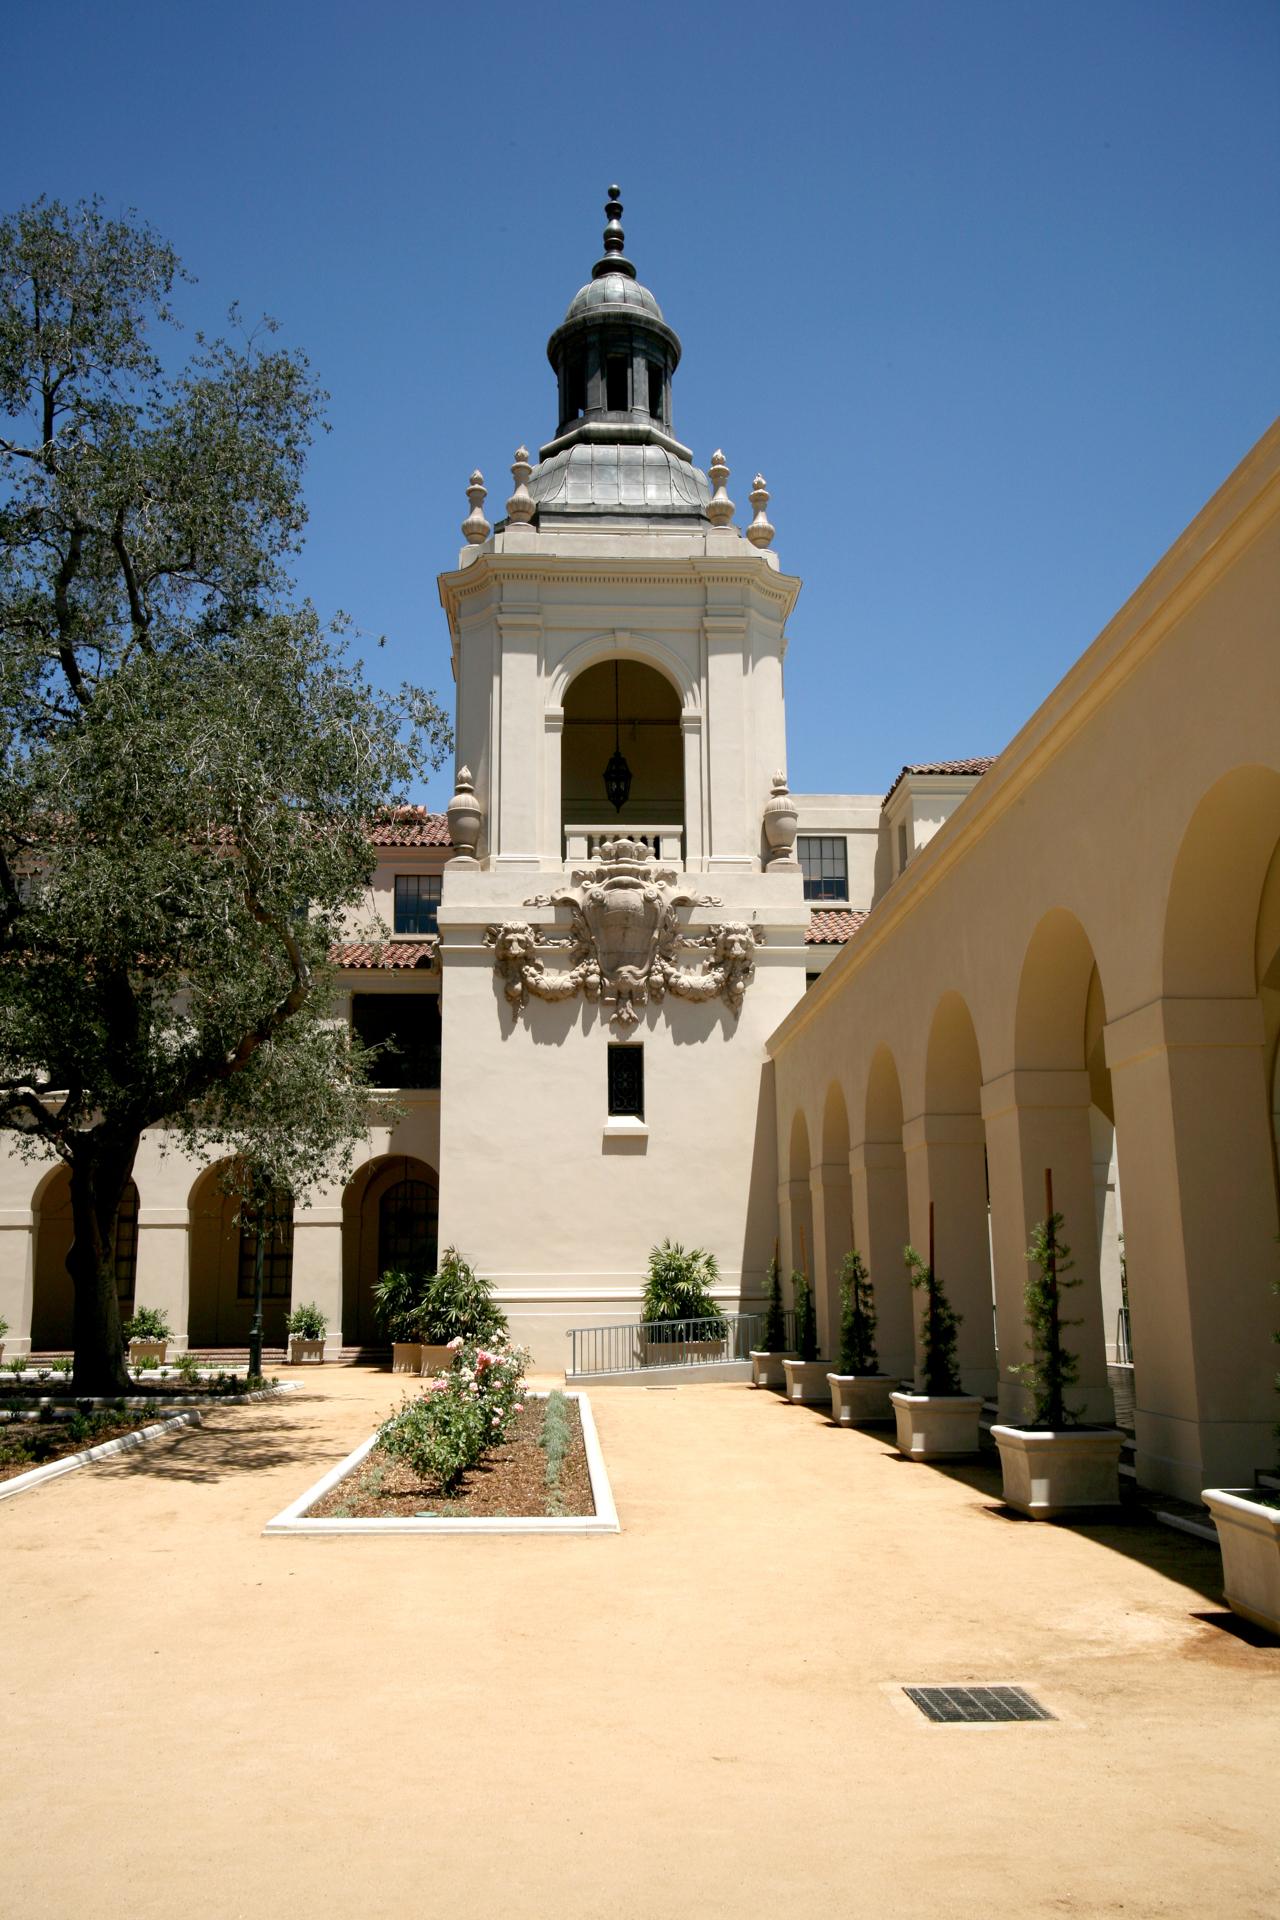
<point x="293" y="1518"/>
<point x="132" y="1402"/>
<point x="27" y="1482"/>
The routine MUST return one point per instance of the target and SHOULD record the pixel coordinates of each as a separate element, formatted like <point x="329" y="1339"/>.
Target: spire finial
<point x="521" y="505"/>
<point x="760" y="532"/>
<point x="613" y="236"/>
<point x="720" y="506"/>
<point x="475" y="527"/>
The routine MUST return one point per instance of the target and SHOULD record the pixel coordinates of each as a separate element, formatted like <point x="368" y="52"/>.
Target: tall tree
<point x="188" y="759"/>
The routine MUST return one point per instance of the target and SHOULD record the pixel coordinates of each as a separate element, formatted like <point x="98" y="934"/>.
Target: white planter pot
<point x="406" y="1356"/>
<point x="436" y="1359"/>
<point x="304" y="1352"/>
<point x="860" y="1399"/>
<point x="1249" y="1538"/>
<point x="936" y="1426"/>
<point x="140" y="1350"/>
<point x="806" y="1382"/>
<point x="1047" y="1473"/>
<point x="766" y="1368"/>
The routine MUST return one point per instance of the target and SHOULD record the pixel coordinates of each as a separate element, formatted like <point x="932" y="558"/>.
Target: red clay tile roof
<point x="396" y="953"/>
<point x="978" y="765"/>
<point x="410" y="827"/>
<point x="832" y="926"/>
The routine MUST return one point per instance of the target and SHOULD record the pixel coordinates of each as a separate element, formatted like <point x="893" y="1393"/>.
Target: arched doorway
<point x="629" y="708"/>
<point x="223" y="1250"/>
<point x="52" y="1303"/>
<point x="878" y="1165"/>
<point x="390" y="1214"/>
<point x="947" y="1164"/>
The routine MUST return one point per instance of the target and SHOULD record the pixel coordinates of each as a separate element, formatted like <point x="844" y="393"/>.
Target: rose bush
<point x="452" y="1423"/>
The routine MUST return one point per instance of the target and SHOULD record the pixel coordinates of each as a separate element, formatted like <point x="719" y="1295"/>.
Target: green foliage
<point x="775" y="1325"/>
<point x="1051" y="1369"/>
<point x="678" y="1289"/>
<point x="857" y="1318"/>
<point x="555" y="1440"/>
<point x="17" y="1364"/>
<point x="940" y="1372"/>
<point x="448" y="1427"/>
<point x="62" y="1364"/>
<point x="806" y="1316"/>
<point x="148" y="1323"/>
<point x="189" y="759"/>
<point x="4" y="1326"/>
<point x="188" y="1366"/>
<point x="308" y="1322"/>
<point x="397" y="1296"/>
<point x="456" y="1304"/>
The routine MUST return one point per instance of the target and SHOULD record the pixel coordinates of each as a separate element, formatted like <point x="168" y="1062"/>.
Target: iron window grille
<point x="417" y="908"/>
<point x="126" y="1250"/>
<point x="824" y="862"/>
<point x="277" y="1250"/>
<point x="407" y="1227"/>
<point x="626" y="1082"/>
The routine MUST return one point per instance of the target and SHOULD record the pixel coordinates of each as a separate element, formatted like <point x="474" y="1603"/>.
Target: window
<point x="626" y="1082"/>
<point x="417" y="902"/>
<point x="576" y="388"/>
<point x="655" y="391"/>
<point x="127" y="1244"/>
<point x="825" y="866"/>
<point x="407" y="1223"/>
<point x="277" y="1248"/>
<point x="616" y="370"/>
<point x="902" y="845"/>
<point x="406" y="1027"/>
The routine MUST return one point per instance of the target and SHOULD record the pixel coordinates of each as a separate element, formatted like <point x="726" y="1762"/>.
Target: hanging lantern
<point x="617" y="774"/>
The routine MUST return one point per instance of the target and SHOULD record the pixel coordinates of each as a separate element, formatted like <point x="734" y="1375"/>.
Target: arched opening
<point x="948" y="1166"/>
<point x="628" y="708"/>
<point x="833" y="1220"/>
<point x="53" y="1300"/>
<point x="798" y="1224"/>
<point x="390" y="1214"/>
<point x="223" y="1256"/>
<point x="880" y="1216"/>
<point x="1066" y="1127"/>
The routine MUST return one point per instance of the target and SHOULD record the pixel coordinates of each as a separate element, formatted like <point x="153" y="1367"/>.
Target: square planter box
<point x="1249" y="1538"/>
<point x="303" y="1352"/>
<point x="406" y="1356"/>
<point x="1047" y="1473"/>
<point x="860" y="1399"/>
<point x="436" y="1359"/>
<point x="766" y="1368"/>
<point x="806" y="1382"/>
<point x="936" y="1426"/>
<point x="140" y="1350"/>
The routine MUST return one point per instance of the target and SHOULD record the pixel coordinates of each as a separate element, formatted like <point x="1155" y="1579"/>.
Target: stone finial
<point x="520" y="507"/>
<point x="465" y="818"/>
<point x="475" y="527"/>
<point x="614" y="240"/>
<point x="761" y="530"/>
<point x="720" y="506"/>
<point x="781" y="821"/>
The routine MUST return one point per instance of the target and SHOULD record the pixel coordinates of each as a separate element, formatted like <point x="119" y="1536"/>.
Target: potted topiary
<point x="397" y="1297"/>
<point x="806" y="1377"/>
<point x="148" y="1334"/>
<point x="682" y="1323"/>
<point x="455" y="1305"/>
<point x="1053" y="1464"/>
<point x="859" y="1391"/>
<point x="938" y="1419"/>
<point x="766" y="1360"/>
<point x="306" y="1327"/>
<point x="1248" y="1523"/>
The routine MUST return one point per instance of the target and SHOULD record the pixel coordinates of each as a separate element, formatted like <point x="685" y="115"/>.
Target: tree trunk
<point x="99" y="1173"/>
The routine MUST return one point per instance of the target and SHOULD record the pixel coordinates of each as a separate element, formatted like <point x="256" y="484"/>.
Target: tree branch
<point x="138" y="614"/>
<point x="62" y="607"/>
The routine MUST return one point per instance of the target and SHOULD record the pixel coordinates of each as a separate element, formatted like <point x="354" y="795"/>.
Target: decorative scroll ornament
<point x="624" y="941"/>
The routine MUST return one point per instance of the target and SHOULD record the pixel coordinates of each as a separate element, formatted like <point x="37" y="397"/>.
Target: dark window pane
<point x="824" y="864"/>
<point x="626" y="1081"/>
<point x="407" y="1028"/>
<point x="655" y="391"/>
<point x="277" y="1249"/>
<point x="127" y="1244"/>
<point x="407" y="1216"/>
<point x="616" y="369"/>
<point x="417" y="902"/>
<point x="576" y="387"/>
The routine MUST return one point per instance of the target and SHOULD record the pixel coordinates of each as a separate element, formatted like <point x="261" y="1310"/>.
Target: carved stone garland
<point x="624" y="940"/>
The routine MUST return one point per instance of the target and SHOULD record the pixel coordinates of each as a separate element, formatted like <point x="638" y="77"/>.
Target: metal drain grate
<point x="956" y="1705"/>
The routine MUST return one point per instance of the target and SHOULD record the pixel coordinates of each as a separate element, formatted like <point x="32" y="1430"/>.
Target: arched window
<point x="126" y="1261"/>
<point x="407" y="1222"/>
<point x="277" y="1251"/>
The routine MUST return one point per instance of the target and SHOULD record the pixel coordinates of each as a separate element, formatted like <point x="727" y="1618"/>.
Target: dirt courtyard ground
<point x="701" y="1715"/>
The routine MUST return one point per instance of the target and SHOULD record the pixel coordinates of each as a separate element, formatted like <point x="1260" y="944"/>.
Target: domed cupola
<point x="614" y="452"/>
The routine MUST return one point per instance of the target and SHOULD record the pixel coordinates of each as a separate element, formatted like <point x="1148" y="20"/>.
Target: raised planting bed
<point x="32" y="1452"/>
<point x="372" y="1492"/>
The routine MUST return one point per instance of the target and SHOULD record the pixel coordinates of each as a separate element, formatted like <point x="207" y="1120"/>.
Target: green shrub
<point x="148" y="1364"/>
<point x="857" y="1318"/>
<point x="397" y="1296"/>
<point x="4" y="1326"/>
<point x="17" y="1364"/>
<point x="939" y="1369"/>
<point x="453" y="1422"/>
<point x="679" y="1289"/>
<point x="775" y="1324"/>
<point x="555" y="1441"/>
<point x="188" y="1365"/>
<point x="308" y="1322"/>
<point x="148" y="1323"/>
<point x="64" y="1364"/>
<point x="456" y="1304"/>
<point x="1051" y="1368"/>
<point x="806" y="1316"/>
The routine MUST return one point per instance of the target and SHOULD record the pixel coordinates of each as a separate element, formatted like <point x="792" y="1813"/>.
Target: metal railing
<point x="664" y="843"/>
<point x="636" y="1345"/>
<point x="1124" y="1345"/>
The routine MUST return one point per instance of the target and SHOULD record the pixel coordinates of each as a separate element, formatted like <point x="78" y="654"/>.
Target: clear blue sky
<point x="991" y="291"/>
